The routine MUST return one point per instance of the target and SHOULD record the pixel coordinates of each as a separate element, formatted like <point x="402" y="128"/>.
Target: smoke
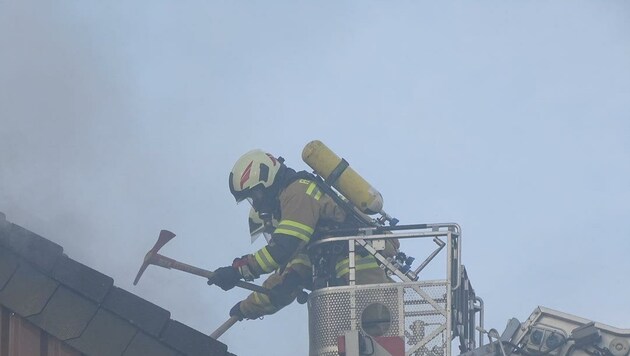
<point x="76" y="166"/>
<point x="118" y="120"/>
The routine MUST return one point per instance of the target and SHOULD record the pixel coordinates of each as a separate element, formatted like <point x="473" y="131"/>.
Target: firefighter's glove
<point x="236" y="311"/>
<point x="242" y="266"/>
<point x="225" y="277"/>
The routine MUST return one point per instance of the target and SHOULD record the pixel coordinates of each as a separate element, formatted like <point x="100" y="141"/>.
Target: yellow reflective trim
<point x="293" y="233"/>
<point x="264" y="259"/>
<point x="318" y="195"/>
<point x="346" y="270"/>
<point x="342" y="267"/>
<point x="304" y="261"/>
<point x="261" y="298"/>
<point x="261" y="263"/>
<point x="310" y="189"/>
<point x="358" y="260"/>
<point x="270" y="259"/>
<point x="301" y="261"/>
<point x="296" y="224"/>
<point x="294" y="228"/>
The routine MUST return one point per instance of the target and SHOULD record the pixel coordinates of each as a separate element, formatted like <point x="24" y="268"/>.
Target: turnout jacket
<point x="303" y="207"/>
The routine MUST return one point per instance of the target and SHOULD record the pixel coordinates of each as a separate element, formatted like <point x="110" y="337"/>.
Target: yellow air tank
<point x="337" y="173"/>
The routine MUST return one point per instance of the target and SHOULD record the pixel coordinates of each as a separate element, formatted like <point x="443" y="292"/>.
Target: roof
<point x="82" y="307"/>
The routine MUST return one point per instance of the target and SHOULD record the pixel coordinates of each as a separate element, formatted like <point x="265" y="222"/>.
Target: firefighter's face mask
<point x="260" y="200"/>
<point x="261" y="224"/>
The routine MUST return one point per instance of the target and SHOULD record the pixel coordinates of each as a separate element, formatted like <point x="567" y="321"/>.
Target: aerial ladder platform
<point x="443" y="316"/>
<point x="412" y="316"/>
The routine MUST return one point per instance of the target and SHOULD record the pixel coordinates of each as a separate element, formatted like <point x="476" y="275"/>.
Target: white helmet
<point x="255" y="168"/>
<point x="258" y="225"/>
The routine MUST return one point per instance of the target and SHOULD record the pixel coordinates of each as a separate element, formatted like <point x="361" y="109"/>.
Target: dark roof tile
<point x="142" y="345"/>
<point x="145" y="315"/>
<point x="105" y="335"/>
<point x="82" y="279"/>
<point x="4" y="226"/>
<point x="5" y="233"/>
<point x="190" y="341"/>
<point x="8" y="265"/>
<point x="66" y="315"/>
<point x="64" y="302"/>
<point x="28" y="291"/>
<point x="40" y="252"/>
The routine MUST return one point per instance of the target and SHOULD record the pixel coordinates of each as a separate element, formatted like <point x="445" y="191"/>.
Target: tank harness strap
<point x="338" y="171"/>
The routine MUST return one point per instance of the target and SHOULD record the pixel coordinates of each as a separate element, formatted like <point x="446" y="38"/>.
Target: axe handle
<point x="169" y="263"/>
<point x="224" y="327"/>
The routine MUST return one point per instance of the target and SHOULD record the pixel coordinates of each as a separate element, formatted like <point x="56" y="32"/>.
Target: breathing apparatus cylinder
<point x="346" y="180"/>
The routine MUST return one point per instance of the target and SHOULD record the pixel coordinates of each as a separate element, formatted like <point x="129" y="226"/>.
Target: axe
<point x="154" y="258"/>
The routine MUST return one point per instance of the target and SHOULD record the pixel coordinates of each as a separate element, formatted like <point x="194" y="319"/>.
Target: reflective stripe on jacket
<point x="361" y="263"/>
<point x="302" y="207"/>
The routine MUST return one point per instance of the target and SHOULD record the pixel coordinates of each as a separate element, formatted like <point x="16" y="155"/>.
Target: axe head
<point x="165" y="236"/>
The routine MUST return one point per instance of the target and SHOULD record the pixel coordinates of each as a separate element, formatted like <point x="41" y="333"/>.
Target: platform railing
<point x="421" y="312"/>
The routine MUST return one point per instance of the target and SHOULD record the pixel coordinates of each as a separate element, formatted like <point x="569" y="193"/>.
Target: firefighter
<point x="296" y="276"/>
<point x="301" y="209"/>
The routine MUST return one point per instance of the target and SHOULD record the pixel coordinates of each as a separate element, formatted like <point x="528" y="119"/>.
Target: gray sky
<point x="512" y="118"/>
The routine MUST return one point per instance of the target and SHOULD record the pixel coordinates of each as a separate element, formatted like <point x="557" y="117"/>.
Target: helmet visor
<point x="260" y="225"/>
<point x="255" y="236"/>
